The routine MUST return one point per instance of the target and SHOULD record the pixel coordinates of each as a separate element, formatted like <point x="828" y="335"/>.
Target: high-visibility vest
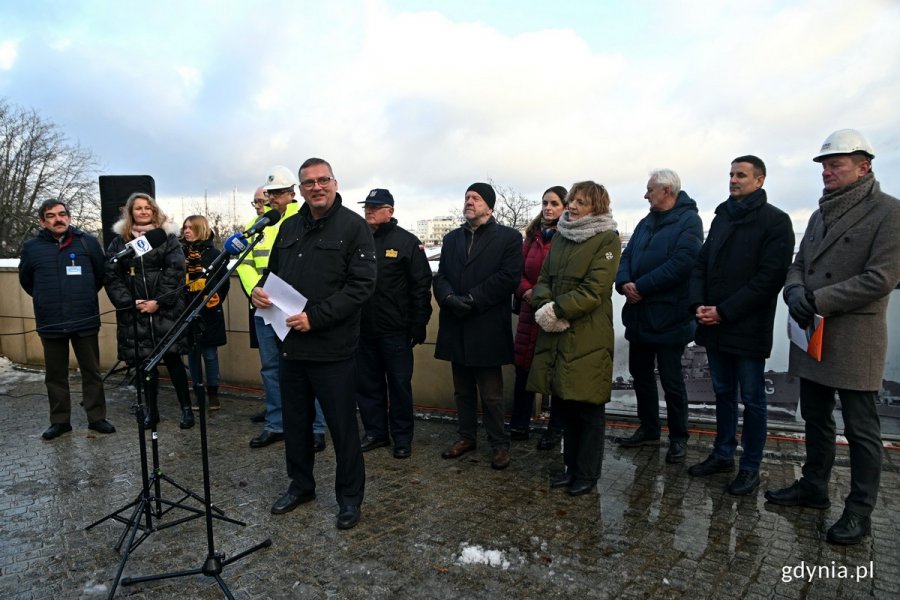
<point x="250" y="270"/>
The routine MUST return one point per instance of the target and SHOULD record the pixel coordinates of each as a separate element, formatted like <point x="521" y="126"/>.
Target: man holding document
<point x="845" y="271"/>
<point x="326" y="253"/>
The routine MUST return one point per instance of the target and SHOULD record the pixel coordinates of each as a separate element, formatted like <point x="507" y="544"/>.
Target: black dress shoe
<point x="348" y="517"/>
<point x="712" y="465"/>
<point x="290" y="501"/>
<point x="102" y="426"/>
<point x="318" y="442"/>
<point x="677" y="452"/>
<point x="518" y="435"/>
<point x="266" y="438"/>
<point x="402" y="451"/>
<point x="549" y="439"/>
<point x="259" y="417"/>
<point x="850" y="529"/>
<point x="641" y="437"/>
<point x="745" y="482"/>
<point x="579" y="487"/>
<point x="370" y="443"/>
<point x="561" y="480"/>
<point x="796" y="494"/>
<point x="55" y="430"/>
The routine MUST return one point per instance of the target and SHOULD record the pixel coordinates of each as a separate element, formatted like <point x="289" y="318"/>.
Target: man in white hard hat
<point x="278" y="192"/>
<point x="845" y="271"/>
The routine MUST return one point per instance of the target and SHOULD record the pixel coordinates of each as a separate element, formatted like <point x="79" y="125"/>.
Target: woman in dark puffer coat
<point x="156" y="302"/>
<point x="538" y="238"/>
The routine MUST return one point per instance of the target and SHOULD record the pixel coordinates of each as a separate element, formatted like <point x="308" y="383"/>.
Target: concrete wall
<point x="432" y="383"/>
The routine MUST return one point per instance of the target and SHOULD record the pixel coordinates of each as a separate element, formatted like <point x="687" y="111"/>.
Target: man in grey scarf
<point x="844" y="271"/>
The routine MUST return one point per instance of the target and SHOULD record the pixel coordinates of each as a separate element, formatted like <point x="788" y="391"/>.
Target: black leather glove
<point x="801" y="304"/>
<point x="416" y="335"/>
<point x="459" y="305"/>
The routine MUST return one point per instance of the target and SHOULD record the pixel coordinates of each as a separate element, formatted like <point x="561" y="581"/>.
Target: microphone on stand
<point x="142" y="244"/>
<point x="235" y="244"/>
<point x="270" y="218"/>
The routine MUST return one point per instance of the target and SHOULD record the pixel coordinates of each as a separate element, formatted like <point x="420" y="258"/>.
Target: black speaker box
<point x="114" y="192"/>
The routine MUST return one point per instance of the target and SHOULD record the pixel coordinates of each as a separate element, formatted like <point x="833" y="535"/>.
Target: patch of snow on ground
<point x="476" y="555"/>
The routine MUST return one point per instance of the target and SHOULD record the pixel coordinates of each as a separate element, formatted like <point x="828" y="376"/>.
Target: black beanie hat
<point x="485" y="191"/>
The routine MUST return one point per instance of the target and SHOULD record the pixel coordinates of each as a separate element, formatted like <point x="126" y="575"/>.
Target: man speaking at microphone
<point x="326" y="252"/>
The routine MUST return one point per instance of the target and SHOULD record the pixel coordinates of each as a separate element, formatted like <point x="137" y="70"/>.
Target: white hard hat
<point x="279" y="178"/>
<point x="845" y="141"/>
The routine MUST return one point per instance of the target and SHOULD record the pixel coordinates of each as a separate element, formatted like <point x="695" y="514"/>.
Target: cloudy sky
<point x="425" y="97"/>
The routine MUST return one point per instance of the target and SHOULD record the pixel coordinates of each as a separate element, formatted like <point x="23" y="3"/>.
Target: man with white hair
<point x="845" y="271"/>
<point x="654" y="276"/>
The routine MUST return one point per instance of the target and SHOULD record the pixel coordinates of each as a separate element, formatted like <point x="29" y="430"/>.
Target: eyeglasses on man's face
<point x="276" y="193"/>
<point x="257" y="202"/>
<point x="311" y="183"/>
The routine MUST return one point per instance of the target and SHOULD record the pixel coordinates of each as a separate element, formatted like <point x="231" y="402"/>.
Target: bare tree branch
<point x="38" y="162"/>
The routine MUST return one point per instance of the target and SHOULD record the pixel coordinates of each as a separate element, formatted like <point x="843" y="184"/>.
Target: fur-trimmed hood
<point x="169" y="227"/>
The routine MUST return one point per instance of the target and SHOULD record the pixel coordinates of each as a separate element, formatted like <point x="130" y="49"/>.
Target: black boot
<point x="187" y="418"/>
<point x="184" y="400"/>
<point x="212" y="397"/>
<point x="152" y="416"/>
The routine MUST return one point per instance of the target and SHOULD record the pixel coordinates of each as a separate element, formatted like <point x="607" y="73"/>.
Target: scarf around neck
<point x="835" y="205"/>
<point x="586" y="227"/>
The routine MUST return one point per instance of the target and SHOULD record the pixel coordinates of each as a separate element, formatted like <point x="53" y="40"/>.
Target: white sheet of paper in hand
<point x="286" y="301"/>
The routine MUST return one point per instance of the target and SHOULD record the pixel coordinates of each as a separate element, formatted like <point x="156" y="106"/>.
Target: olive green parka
<point x="578" y="276"/>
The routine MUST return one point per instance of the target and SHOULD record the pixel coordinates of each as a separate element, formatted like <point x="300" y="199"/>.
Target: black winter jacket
<point x="331" y="261"/>
<point x="158" y="275"/>
<point x="490" y="272"/>
<point x="401" y="304"/>
<point x="658" y="259"/>
<point x="740" y="270"/>
<point x="198" y="256"/>
<point x="64" y="303"/>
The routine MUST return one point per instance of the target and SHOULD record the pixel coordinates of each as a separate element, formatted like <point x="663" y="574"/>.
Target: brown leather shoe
<point x="458" y="448"/>
<point x="501" y="458"/>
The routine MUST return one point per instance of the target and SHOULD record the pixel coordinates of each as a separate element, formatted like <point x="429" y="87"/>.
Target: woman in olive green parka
<point x="573" y="358"/>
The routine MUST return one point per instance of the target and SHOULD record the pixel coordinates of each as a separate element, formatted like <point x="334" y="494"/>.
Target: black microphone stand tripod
<point x="149" y="503"/>
<point x="215" y="561"/>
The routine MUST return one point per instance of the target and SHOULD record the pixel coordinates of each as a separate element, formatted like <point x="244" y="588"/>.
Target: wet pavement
<point x="430" y="528"/>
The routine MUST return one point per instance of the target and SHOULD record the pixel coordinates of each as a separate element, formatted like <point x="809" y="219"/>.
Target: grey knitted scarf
<point x="835" y="205"/>
<point x="586" y="227"/>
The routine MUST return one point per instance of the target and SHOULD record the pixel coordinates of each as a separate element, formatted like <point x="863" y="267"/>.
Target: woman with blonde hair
<point x="200" y="252"/>
<point x="573" y="356"/>
<point x="147" y="291"/>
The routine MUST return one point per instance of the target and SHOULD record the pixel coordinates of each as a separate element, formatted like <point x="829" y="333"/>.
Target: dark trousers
<point x="333" y="382"/>
<point x="862" y="428"/>
<point x="177" y="374"/>
<point x="468" y="382"/>
<point x="56" y="359"/>
<point x="667" y="359"/>
<point x="584" y="436"/>
<point x="384" y="368"/>
<point x="523" y="406"/>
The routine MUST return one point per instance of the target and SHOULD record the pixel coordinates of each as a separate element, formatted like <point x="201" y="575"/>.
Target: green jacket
<point x="578" y="276"/>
